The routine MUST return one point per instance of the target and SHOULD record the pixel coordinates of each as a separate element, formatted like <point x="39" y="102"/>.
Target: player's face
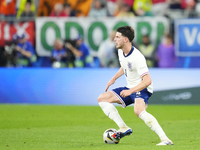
<point x="119" y="40"/>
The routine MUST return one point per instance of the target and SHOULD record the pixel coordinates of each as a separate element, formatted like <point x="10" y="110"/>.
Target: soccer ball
<point x="108" y="136"/>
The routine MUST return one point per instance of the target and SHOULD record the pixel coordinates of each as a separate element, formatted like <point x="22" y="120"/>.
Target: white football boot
<point x="166" y="142"/>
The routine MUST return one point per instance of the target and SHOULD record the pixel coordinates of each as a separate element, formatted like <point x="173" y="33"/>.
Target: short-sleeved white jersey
<point x="134" y="66"/>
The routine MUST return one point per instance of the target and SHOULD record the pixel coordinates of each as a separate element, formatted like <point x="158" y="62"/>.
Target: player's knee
<point x="137" y="111"/>
<point x="100" y="98"/>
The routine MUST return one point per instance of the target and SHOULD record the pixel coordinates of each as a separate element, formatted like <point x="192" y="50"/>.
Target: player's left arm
<point x="146" y="81"/>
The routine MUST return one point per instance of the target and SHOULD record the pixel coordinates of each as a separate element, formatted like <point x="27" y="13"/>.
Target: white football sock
<point x="110" y="111"/>
<point x="153" y="124"/>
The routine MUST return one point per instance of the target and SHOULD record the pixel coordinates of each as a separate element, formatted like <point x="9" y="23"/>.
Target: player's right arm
<point x="119" y="73"/>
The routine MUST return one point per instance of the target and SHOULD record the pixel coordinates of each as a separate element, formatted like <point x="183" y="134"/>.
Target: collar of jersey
<point x="129" y="52"/>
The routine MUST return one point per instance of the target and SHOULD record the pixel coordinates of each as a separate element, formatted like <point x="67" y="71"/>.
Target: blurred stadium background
<point x="46" y="106"/>
<point x="43" y="84"/>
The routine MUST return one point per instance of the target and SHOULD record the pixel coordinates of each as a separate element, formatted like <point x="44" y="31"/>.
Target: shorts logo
<point x="138" y="94"/>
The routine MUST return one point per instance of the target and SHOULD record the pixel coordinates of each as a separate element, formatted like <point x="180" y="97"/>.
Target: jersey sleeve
<point x="141" y="66"/>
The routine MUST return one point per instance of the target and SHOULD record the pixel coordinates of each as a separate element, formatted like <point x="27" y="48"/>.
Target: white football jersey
<point x="134" y="66"/>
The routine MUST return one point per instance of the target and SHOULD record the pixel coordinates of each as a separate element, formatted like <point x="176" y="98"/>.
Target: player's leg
<point x="140" y="110"/>
<point x="105" y="101"/>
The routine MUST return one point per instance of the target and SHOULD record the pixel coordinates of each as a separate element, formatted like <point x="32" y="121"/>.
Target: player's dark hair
<point x="127" y="31"/>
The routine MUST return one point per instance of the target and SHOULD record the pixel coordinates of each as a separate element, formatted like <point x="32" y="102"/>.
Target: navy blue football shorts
<point x="144" y="94"/>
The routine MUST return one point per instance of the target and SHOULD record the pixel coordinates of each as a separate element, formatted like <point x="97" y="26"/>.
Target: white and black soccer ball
<point x="108" y="136"/>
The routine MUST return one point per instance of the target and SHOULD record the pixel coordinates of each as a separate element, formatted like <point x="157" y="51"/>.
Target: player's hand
<point x="112" y="81"/>
<point x="125" y="93"/>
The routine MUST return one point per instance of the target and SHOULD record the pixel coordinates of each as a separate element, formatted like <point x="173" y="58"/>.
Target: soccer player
<point x="138" y="90"/>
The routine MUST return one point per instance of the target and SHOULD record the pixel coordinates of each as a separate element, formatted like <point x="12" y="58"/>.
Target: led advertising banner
<point x="94" y="30"/>
<point x="83" y="86"/>
<point x="7" y="30"/>
<point x="187" y="37"/>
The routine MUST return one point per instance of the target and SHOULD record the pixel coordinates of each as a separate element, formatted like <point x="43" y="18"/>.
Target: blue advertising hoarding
<point x="83" y="86"/>
<point x="187" y="37"/>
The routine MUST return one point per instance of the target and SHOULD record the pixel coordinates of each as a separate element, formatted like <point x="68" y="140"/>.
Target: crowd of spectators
<point x="19" y="52"/>
<point x="148" y="50"/>
<point x="77" y="54"/>
<point x="100" y="8"/>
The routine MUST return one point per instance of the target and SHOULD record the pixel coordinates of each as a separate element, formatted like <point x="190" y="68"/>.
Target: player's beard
<point x="119" y="46"/>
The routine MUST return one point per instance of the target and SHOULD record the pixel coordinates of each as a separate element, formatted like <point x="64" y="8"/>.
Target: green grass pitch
<point x="52" y="127"/>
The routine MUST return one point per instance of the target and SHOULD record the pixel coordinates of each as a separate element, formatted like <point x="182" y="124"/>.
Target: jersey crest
<point x="129" y="65"/>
